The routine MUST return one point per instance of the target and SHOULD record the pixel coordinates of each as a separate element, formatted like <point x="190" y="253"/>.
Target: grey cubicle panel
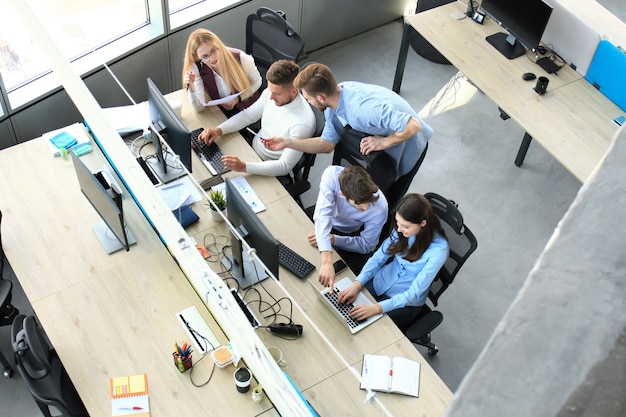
<point x="53" y="112"/>
<point x="7" y="138"/>
<point x="328" y="21"/>
<point x="132" y="71"/>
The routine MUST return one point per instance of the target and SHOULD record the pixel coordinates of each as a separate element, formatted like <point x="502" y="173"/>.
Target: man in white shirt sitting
<point x="349" y="215"/>
<point x="282" y="111"/>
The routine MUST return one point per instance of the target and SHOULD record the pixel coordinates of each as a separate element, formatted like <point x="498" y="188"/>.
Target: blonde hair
<point x="231" y="70"/>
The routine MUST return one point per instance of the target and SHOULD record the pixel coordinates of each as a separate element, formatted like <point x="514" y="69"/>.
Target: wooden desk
<point x="79" y="294"/>
<point x="322" y="333"/>
<point x="570" y="118"/>
<point x="106" y="315"/>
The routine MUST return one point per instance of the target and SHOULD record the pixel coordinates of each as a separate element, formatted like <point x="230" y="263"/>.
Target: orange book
<point x="129" y="396"/>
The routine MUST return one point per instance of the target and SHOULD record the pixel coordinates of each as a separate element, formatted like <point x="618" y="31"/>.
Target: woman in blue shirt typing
<point x="400" y="272"/>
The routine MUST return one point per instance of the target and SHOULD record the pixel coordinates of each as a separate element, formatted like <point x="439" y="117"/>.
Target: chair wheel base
<point x="8" y="373"/>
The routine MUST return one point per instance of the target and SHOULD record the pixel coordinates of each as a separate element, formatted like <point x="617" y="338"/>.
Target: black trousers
<point x="399" y="188"/>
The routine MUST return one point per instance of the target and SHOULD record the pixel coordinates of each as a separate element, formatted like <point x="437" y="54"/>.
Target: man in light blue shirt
<point x="349" y="215"/>
<point x="394" y="127"/>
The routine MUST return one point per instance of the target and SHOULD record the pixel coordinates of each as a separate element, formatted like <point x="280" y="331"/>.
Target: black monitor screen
<point x="169" y="125"/>
<point x="250" y="227"/>
<point x="107" y="203"/>
<point x="525" y="20"/>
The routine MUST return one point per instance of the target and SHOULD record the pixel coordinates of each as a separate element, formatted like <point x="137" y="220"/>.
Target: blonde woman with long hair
<point x="211" y="70"/>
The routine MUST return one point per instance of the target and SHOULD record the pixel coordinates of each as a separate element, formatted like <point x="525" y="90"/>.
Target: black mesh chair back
<point x="461" y="240"/>
<point x="43" y="371"/>
<point x="380" y="165"/>
<point x="269" y="37"/>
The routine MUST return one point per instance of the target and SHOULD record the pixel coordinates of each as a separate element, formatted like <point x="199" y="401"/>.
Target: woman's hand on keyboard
<point x="364" y="311"/>
<point x="348" y="295"/>
<point x="208" y="136"/>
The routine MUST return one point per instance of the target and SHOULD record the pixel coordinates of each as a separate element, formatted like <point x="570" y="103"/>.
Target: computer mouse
<point x="528" y="76"/>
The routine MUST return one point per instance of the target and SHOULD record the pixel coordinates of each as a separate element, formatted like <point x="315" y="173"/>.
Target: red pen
<point x="131" y="408"/>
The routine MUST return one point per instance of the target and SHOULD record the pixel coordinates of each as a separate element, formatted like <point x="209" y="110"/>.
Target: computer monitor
<point x="245" y="270"/>
<point x="169" y="126"/>
<point x="524" y="20"/>
<point x="112" y="231"/>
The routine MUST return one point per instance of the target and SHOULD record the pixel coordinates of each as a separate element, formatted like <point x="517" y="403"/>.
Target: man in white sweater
<point x="283" y="112"/>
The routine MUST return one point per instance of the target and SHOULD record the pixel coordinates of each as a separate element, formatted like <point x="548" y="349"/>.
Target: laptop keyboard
<point x="210" y="155"/>
<point x="343" y="309"/>
<point x="295" y="263"/>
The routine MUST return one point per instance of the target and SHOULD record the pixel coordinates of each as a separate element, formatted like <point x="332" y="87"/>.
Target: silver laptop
<point x="570" y="37"/>
<point x="341" y="310"/>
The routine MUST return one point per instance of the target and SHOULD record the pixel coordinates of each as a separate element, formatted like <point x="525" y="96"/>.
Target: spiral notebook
<point x="129" y="396"/>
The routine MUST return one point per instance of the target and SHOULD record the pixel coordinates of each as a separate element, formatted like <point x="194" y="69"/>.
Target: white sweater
<point x="294" y="120"/>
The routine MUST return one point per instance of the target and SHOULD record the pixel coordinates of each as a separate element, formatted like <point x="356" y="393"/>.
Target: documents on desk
<point x="128" y="119"/>
<point x="178" y="193"/>
<point x="246" y="191"/>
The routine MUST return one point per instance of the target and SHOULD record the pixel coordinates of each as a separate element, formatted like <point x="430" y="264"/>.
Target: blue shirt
<point x="334" y="211"/>
<point x="378" y="111"/>
<point x="406" y="283"/>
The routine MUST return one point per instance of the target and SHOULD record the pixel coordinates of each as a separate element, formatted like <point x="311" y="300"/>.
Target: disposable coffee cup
<point x="542" y="85"/>
<point x="242" y="379"/>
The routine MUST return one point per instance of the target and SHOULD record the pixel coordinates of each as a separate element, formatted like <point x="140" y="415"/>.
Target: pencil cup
<point x="242" y="379"/>
<point x="181" y="363"/>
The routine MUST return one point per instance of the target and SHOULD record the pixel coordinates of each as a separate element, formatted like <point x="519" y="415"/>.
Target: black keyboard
<point x="342" y="308"/>
<point x="295" y="263"/>
<point x="210" y="155"/>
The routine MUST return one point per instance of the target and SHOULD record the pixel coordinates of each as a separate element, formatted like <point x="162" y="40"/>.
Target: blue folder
<point x="607" y="72"/>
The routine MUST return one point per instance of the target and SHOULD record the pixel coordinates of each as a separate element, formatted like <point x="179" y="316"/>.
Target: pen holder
<point x="181" y="363"/>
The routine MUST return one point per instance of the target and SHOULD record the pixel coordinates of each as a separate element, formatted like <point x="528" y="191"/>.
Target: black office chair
<point x="462" y="244"/>
<point x="379" y="164"/>
<point x="298" y="183"/>
<point x="7" y="310"/>
<point x="43" y="371"/>
<point x="269" y="37"/>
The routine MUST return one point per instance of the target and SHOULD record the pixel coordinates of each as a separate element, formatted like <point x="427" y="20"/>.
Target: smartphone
<point x="339" y="266"/>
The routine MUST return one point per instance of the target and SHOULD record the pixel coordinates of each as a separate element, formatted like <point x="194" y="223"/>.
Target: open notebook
<point x="341" y="311"/>
<point x="129" y="396"/>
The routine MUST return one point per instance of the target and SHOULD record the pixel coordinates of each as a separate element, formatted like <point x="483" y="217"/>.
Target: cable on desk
<point x="206" y="341"/>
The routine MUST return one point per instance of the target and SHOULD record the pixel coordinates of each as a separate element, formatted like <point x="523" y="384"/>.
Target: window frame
<point x="160" y="23"/>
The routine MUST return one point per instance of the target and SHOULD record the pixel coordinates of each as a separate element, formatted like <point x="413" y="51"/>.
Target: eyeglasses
<point x="210" y="55"/>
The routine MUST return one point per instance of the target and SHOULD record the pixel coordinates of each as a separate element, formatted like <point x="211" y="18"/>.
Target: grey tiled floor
<point x="513" y="211"/>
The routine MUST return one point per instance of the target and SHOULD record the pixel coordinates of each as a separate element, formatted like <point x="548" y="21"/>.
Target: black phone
<point x="339" y="266"/>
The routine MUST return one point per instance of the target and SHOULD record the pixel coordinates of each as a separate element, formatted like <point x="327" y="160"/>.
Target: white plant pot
<point x="217" y="217"/>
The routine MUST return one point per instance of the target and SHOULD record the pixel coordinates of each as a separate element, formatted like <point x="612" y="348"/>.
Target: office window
<point x="112" y="27"/>
<point x="78" y="26"/>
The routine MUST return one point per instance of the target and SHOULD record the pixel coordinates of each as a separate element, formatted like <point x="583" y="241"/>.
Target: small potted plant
<point x="219" y="201"/>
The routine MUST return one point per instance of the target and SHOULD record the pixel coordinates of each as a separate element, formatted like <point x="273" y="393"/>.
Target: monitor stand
<point x="109" y="241"/>
<point x="506" y="44"/>
<point x="253" y="273"/>
<point x="172" y="173"/>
